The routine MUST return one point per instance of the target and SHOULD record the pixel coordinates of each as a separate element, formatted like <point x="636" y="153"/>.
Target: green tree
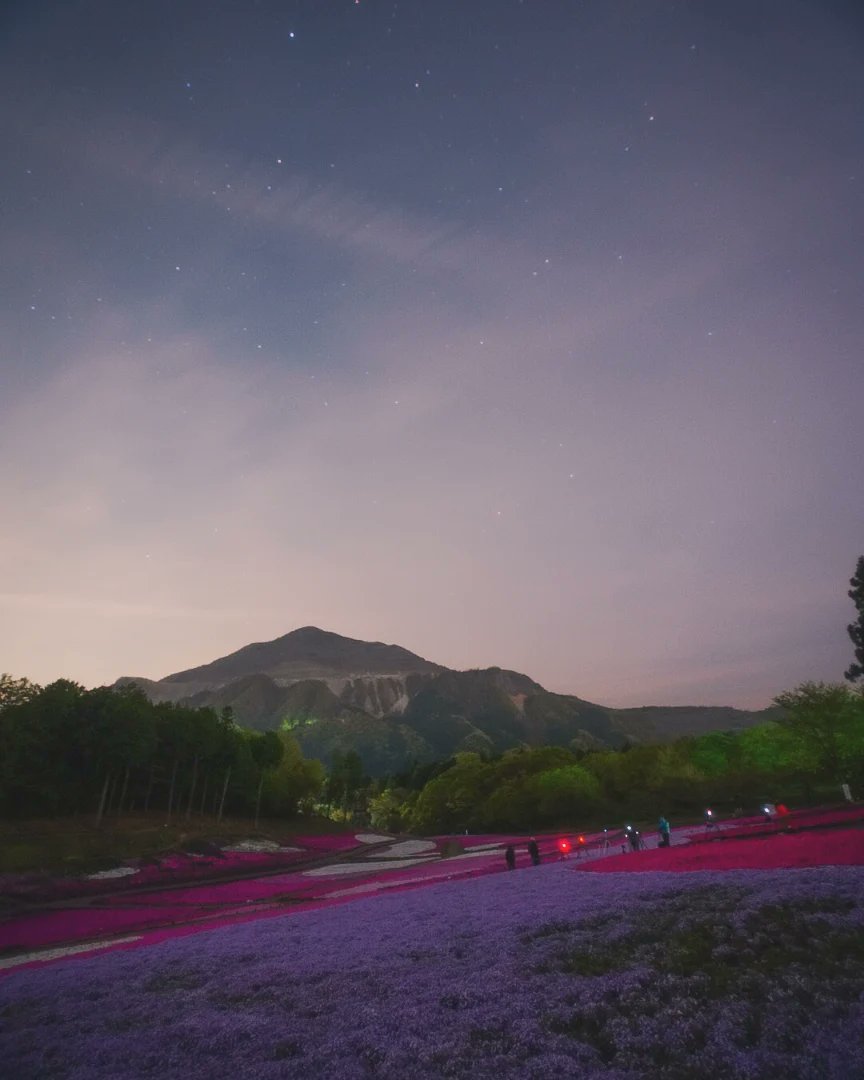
<point x="117" y="734"/>
<point x="40" y="750"/>
<point x="450" y="802"/>
<point x="624" y="775"/>
<point x="771" y="751"/>
<point x="293" y="781"/>
<point x="226" y="753"/>
<point x="855" y="671"/>
<point x="563" y="796"/>
<point x="387" y="810"/>
<point x="715" y="754"/>
<point x="824" y="719"/>
<point x="15" y="691"/>
<point x="267" y="752"/>
<point x="345" y="781"/>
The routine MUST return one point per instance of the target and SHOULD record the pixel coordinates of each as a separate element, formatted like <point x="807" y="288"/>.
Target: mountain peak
<point x="307" y="653"/>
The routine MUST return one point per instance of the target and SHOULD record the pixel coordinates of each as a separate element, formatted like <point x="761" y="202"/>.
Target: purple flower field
<point x="539" y="973"/>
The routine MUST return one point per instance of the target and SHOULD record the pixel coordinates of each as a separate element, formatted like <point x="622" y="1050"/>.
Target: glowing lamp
<point x="563" y="846"/>
<point x="581" y="839"/>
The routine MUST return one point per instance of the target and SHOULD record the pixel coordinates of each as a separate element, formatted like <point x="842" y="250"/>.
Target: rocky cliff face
<point x="383" y="695"/>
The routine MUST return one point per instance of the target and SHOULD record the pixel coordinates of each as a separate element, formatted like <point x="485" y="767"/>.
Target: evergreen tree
<point x="856" y="630"/>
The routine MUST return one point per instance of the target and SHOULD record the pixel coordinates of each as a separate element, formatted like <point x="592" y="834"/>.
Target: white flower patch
<point x="371" y="838"/>
<point x="65" y="950"/>
<point x="406" y="847"/>
<point x="259" y="846"/>
<point x="376" y="886"/>
<point x="354" y="890"/>
<point x="470" y="855"/>
<point x="118" y="871"/>
<point x="344" y="869"/>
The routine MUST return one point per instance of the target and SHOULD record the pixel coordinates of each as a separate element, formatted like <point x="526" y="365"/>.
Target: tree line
<point x="67" y="750"/>
<point x="109" y="751"/>
<point x="803" y="757"/>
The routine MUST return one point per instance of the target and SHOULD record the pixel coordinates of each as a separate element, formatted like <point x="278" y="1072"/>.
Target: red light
<point x="563" y="846"/>
<point x="581" y="839"/>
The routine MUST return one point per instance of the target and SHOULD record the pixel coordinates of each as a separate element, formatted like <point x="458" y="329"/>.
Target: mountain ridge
<point x="393" y="706"/>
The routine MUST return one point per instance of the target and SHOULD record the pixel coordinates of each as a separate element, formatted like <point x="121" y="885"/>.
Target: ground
<point x="642" y="970"/>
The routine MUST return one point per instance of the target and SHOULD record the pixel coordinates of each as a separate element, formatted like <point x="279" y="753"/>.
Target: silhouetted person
<point x="510" y="857"/>
<point x="534" y="852"/>
<point x="635" y="839"/>
<point x="663" y="828"/>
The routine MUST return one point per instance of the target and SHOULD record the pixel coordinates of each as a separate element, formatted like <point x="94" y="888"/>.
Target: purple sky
<point x="514" y="333"/>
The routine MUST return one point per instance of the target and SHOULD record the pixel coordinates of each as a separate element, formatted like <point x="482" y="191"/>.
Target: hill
<point x="394" y="707"/>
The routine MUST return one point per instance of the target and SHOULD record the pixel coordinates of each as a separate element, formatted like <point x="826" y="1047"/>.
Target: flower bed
<point x="791" y="822"/>
<point x="537" y="974"/>
<point x="175" y="866"/>
<point x="845" y="847"/>
<point x="329" y="844"/>
<point x="122" y="913"/>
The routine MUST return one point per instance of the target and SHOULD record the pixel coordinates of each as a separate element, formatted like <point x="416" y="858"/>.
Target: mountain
<point x="307" y="653"/>
<point x="393" y="707"/>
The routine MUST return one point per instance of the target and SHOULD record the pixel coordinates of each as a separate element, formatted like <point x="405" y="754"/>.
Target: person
<point x="663" y="828"/>
<point x="635" y="839"/>
<point x="709" y="819"/>
<point x="534" y="852"/>
<point x="510" y="857"/>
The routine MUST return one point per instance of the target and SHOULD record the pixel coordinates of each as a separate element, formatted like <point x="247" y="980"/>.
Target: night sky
<point x="524" y="334"/>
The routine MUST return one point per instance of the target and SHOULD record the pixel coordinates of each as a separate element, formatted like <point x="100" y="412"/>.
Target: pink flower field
<point x="216" y="903"/>
<point x="796" y="820"/>
<point x="843" y="847"/>
<point x="174" y="867"/>
<point x="393" y="866"/>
